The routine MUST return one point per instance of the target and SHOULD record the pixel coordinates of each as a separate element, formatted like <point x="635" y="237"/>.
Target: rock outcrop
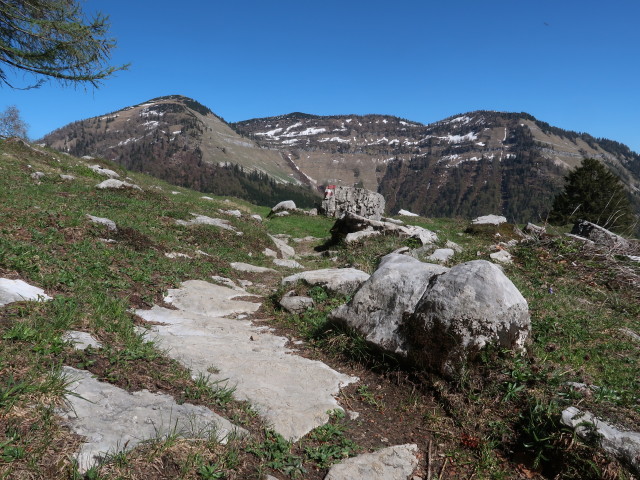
<point x="352" y="227"/>
<point x="360" y="201"/>
<point x="600" y="235"/>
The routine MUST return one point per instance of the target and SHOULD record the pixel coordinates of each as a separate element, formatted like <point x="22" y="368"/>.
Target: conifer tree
<point x="595" y="194"/>
<point x="52" y="39"/>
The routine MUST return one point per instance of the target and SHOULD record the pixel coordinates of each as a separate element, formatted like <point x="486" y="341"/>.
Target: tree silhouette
<point x="595" y="194"/>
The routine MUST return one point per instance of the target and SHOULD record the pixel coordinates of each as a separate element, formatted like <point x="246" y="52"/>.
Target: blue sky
<point x="573" y="64"/>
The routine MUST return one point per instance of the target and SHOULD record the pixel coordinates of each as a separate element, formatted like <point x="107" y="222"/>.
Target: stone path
<point x="290" y="392"/>
<point x="112" y="419"/>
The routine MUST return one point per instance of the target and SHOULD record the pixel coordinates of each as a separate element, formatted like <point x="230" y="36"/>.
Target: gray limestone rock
<point x="441" y="255"/>
<point x="357" y="236"/>
<point x="293" y="303"/>
<point x="285" y="250"/>
<point x="19" y="291"/>
<point x="489" y="220"/>
<point x="281" y="262"/>
<point x="377" y="308"/>
<point x="291" y="393"/>
<point x="81" y="340"/>
<point x="407" y="213"/>
<point x="204" y="220"/>
<point x="287" y="205"/>
<point x="624" y="445"/>
<point x="463" y="310"/>
<point x="110" y="224"/>
<point x="501" y="256"/>
<point x="352" y="223"/>
<point x="67" y="177"/>
<point x="535" y="230"/>
<point x="111" y="419"/>
<point x="360" y="201"/>
<point x="391" y="463"/>
<point x="257" y="218"/>
<point x="599" y="235"/>
<point x="37" y="175"/>
<point x="338" y="280"/>
<point x="453" y="245"/>
<point x="112" y="183"/>
<point x="247" y="267"/>
<point x="104" y="171"/>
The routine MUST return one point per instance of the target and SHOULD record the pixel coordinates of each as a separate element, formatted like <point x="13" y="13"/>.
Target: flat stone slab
<point x="502" y="256"/>
<point x="116" y="184"/>
<point x="285" y="250"/>
<point x="204" y="220"/>
<point x="624" y="445"/>
<point x="339" y="280"/>
<point x="81" y="340"/>
<point x="291" y="393"/>
<point x="112" y="419"/>
<point x="19" y="291"/>
<point x="204" y="298"/>
<point x="247" y="267"/>
<point x="392" y="463"/>
<point x="489" y="220"/>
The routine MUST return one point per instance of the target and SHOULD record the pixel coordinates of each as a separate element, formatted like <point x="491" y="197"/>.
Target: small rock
<point x="285" y="250"/>
<point x="284" y="206"/>
<point x="37" y="175"/>
<point x="338" y="280"/>
<point x="454" y="246"/>
<point x="110" y="224"/>
<point x="81" y="340"/>
<point x="204" y="220"/>
<point x="175" y="193"/>
<point x="233" y="213"/>
<point x="502" y="256"/>
<point x="600" y="235"/>
<point x="19" y="291"/>
<point x="246" y="267"/>
<point x="534" y="230"/>
<point x="489" y="220"/>
<point x="407" y="213"/>
<point x="391" y="463"/>
<point x="257" y="218"/>
<point x="357" y="236"/>
<point x="270" y="253"/>
<point x="112" y="183"/>
<point x="281" y="262"/>
<point x="176" y="255"/>
<point x="104" y="171"/>
<point x="624" y="445"/>
<point x="293" y="303"/>
<point x="441" y="255"/>
<point x="206" y="198"/>
<point x="281" y="214"/>
<point x="67" y="177"/>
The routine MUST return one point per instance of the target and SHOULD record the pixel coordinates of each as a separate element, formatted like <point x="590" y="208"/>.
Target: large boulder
<point x="599" y="235"/>
<point x="377" y="308"/>
<point x="465" y="309"/>
<point x="355" y="200"/>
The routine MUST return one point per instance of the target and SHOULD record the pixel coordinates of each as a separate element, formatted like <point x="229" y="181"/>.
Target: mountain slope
<point x="465" y="165"/>
<point x="181" y="141"/>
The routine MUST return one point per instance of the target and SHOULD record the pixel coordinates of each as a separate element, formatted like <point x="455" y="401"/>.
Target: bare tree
<point x="11" y="123"/>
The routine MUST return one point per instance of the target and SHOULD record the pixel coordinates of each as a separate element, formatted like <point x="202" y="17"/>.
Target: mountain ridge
<point x="477" y="161"/>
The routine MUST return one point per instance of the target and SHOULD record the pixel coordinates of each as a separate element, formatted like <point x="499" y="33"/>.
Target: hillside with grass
<point x="500" y="418"/>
